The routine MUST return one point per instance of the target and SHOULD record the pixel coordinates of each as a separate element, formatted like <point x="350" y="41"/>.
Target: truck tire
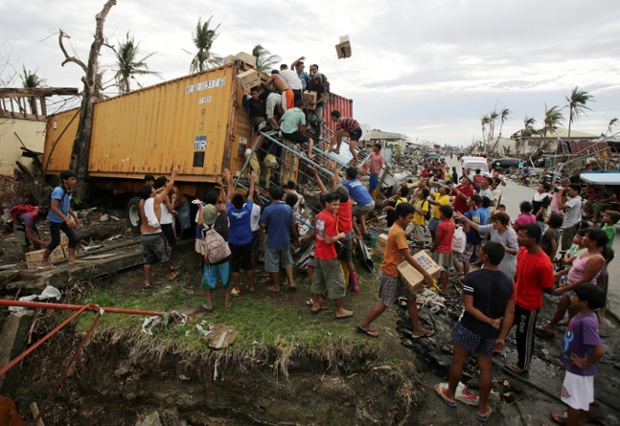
<point x="133" y="214"/>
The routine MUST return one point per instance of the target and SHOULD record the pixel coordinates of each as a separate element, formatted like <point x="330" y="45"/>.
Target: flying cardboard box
<point x="308" y="98"/>
<point x="412" y="276"/>
<point x="343" y="49"/>
<point x="34" y="259"/>
<point x="249" y="79"/>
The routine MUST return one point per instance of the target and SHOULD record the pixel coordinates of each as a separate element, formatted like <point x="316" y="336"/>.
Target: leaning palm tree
<point x="577" y="106"/>
<point x="30" y="80"/>
<point x="128" y="65"/>
<point x="503" y="117"/>
<point x="611" y="125"/>
<point x="203" y="39"/>
<point x="264" y="59"/>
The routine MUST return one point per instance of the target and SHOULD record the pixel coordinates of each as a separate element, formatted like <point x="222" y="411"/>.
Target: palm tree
<point x="128" y="65"/>
<point x="577" y="106"/>
<point x="30" y="80"/>
<point x="264" y="59"/>
<point x="610" y="126"/>
<point x="528" y="129"/>
<point x="553" y="119"/>
<point x="503" y="117"/>
<point x="484" y="120"/>
<point x="203" y="39"/>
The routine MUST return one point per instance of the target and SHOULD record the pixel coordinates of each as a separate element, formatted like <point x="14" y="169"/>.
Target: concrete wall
<point x="32" y="134"/>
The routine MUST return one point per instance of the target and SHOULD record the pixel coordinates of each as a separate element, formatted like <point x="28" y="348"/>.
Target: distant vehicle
<point x="474" y="163"/>
<point x="505" y="163"/>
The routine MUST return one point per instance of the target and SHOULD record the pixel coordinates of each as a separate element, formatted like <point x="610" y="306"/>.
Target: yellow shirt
<point x="424" y="205"/>
<point x="444" y="200"/>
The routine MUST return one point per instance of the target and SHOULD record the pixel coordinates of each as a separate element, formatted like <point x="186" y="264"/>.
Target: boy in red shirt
<point x="328" y="275"/>
<point x="442" y="246"/>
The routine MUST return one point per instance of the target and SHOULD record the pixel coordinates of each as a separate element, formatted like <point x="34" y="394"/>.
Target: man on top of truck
<point x="154" y="244"/>
<point x="288" y="97"/>
<point x="346" y="126"/>
<point x="299" y="66"/>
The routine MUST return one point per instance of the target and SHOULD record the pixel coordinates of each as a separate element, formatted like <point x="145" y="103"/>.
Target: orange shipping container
<point x="196" y="122"/>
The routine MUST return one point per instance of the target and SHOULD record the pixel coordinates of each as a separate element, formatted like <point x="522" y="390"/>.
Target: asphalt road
<point x="513" y="194"/>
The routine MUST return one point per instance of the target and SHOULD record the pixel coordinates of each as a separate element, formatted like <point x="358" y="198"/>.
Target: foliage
<point x="264" y="59"/>
<point x="577" y="105"/>
<point x="128" y="65"/>
<point x="30" y="79"/>
<point x="203" y="39"/>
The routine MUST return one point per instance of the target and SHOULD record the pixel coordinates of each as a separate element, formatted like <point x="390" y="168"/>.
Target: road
<point x="513" y="194"/>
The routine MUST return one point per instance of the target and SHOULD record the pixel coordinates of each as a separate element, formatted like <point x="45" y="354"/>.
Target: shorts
<point x="20" y="235"/>
<point x="256" y="244"/>
<point x="346" y="255"/>
<point x="274" y="101"/>
<point x="183" y="217"/>
<point x="288" y="99"/>
<point x="240" y="257"/>
<point x="361" y="210"/>
<point x="355" y="134"/>
<point x="296" y="137"/>
<point x="578" y="391"/>
<point x="328" y="277"/>
<point x="256" y="122"/>
<point x="419" y="232"/>
<point x="433" y="224"/>
<point x="374" y="181"/>
<point x="444" y="260"/>
<point x="311" y="262"/>
<point x="155" y="248"/>
<point x="277" y="258"/>
<point x="168" y="232"/>
<point x="466" y="255"/>
<point x="391" y="288"/>
<point x="470" y="341"/>
<point x="210" y="274"/>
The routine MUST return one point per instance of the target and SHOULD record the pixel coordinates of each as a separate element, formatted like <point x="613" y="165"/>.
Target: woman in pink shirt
<point x="525" y="217"/>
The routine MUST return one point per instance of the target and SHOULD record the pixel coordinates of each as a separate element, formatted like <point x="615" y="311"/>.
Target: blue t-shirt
<point x="474" y="216"/>
<point x="279" y="217"/>
<point x="357" y="192"/>
<point x="64" y="203"/>
<point x="240" y="228"/>
<point x="580" y="338"/>
<point x="484" y="215"/>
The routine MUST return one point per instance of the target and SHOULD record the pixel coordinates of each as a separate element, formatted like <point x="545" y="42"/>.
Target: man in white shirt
<point x="572" y="207"/>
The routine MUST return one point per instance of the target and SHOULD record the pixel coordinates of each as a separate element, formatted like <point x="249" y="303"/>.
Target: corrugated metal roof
<point x="601" y="178"/>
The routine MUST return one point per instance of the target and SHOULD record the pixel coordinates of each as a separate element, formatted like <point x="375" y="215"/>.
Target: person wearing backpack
<point x="421" y="216"/>
<point x="62" y="217"/>
<point x="25" y="218"/>
<point x="240" y="233"/>
<point x="213" y="226"/>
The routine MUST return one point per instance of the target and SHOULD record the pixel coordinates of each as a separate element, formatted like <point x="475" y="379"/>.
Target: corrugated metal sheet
<point x="344" y="105"/>
<point x="149" y="130"/>
<point x="590" y="148"/>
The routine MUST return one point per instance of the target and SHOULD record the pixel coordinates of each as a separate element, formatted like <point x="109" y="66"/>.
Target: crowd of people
<point x="502" y="266"/>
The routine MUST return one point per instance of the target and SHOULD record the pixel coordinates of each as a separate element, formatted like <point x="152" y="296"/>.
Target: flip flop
<point x="544" y="332"/>
<point x="439" y="391"/>
<point x="425" y="334"/>
<point x="293" y="287"/>
<point x="175" y="268"/>
<point x="174" y="276"/>
<point x="348" y="315"/>
<point x="558" y="418"/>
<point x="370" y="332"/>
<point x="484" y="418"/>
<point x="204" y="308"/>
<point x="310" y="302"/>
<point x="147" y="287"/>
<point x="318" y="311"/>
<point x="272" y="290"/>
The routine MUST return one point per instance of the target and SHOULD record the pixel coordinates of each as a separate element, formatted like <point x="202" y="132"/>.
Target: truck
<point x="196" y="121"/>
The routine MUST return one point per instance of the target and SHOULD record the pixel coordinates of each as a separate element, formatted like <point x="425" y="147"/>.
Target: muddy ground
<point x="123" y="376"/>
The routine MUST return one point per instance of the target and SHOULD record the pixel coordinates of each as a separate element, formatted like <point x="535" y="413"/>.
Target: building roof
<point x="376" y="134"/>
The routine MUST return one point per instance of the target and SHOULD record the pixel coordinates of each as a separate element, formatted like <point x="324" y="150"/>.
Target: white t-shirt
<point x="292" y="79"/>
<point x="255" y="218"/>
<point x="166" y="217"/>
<point x="572" y="214"/>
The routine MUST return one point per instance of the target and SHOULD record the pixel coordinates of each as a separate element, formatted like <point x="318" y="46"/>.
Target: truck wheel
<point x="133" y="213"/>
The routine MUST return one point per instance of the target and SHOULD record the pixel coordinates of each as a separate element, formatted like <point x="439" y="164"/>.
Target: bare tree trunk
<point x="81" y="145"/>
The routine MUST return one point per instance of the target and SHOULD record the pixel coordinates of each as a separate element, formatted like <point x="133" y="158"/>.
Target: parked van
<point x="474" y="163"/>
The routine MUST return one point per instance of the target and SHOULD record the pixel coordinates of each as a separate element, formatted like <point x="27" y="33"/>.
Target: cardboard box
<point x="34" y="259"/>
<point x="309" y="97"/>
<point x="249" y="79"/>
<point x="380" y="245"/>
<point x="229" y="59"/>
<point x="412" y="276"/>
<point x="247" y="58"/>
<point x="343" y="49"/>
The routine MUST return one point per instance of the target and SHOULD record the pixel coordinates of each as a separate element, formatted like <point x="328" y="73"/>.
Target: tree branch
<point x="61" y="35"/>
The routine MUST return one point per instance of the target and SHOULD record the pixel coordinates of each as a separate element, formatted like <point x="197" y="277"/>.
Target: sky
<point x="427" y="69"/>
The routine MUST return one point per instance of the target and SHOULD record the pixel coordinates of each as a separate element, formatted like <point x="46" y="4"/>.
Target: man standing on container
<point x="299" y="66"/>
<point x="282" y="86"/>
<point x="349" y="127"/>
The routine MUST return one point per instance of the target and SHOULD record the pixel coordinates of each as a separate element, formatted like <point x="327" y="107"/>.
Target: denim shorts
<point x="277" y="258"/>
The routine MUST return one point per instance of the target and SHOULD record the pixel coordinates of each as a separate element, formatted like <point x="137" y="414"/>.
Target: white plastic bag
<point x="459" y="241"/>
